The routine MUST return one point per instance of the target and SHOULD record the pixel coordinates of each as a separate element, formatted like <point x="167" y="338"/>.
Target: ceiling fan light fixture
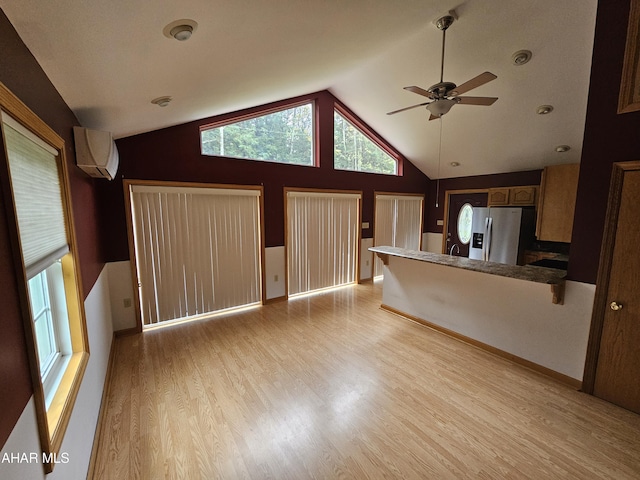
<point x="440" y="107"/>
<point x="521" y="57"/>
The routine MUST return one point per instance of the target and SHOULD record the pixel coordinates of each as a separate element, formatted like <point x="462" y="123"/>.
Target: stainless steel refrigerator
<point x="501" y="234"/>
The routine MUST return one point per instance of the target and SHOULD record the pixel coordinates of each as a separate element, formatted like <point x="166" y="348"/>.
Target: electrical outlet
<point x="275" y="278"/>
<point x="126" y="302"/>
<point x="367" y="264"/>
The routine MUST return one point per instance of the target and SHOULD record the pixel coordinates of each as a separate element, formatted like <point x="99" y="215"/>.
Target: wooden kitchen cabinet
<point x="557" y="203"/>
<point x="498" y="197"/>
<point x="512" y="196"/>
<point x="523" y="195"/>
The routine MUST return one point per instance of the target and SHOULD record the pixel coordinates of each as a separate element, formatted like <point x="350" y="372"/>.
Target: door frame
<point x="604" y="272"/>
<point x="445" y="215"/>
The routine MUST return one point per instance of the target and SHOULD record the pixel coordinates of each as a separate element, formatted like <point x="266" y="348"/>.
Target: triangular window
<point x="354" y="150"/>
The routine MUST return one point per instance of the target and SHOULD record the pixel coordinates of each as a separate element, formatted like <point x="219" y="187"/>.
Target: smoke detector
<point x="521" y="57"/>
<point x="161" y="101"/>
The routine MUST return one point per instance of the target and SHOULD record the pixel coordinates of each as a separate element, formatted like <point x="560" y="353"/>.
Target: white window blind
<point x="197" y="250"/>
<point x="322" y="240"/>
<point x="397" y="223"/>
<point x="37" y="196"/>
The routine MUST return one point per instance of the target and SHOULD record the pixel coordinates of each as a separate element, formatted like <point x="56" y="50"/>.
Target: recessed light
<point x="161" y="101"/>
<point x="563" y="148"/>
<point x="521" y="57"/>
<point x="455" y="164"/>
<point x="544" y="109"/>
<point x="181" y="30"/>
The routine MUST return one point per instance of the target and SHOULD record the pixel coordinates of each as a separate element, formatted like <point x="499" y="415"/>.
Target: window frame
<point x="54" y="288"/>
<point x="315" y="162"/>
<point x="364" y="129"/>
<point x="52" y="421"/>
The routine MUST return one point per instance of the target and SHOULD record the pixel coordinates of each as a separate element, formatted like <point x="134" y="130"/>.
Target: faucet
<point x="455" y="245"/>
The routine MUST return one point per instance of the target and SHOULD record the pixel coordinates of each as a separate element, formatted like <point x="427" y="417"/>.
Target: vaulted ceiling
<point x="109" y="59"/>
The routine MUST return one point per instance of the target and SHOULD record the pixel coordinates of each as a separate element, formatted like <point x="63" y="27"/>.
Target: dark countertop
<point x="551" y="276"/>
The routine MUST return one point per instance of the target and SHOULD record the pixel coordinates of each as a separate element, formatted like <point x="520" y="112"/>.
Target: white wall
<point x="515" y="316"/>
<point x="366" y="259"/>
<point x="432" y="242"/>
<point x="274" y="267"/>
<point x="121" y="295"/>
<point x="78" y="439"/>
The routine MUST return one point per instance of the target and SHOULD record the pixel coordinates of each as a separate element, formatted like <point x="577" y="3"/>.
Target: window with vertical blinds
<point x="198" y="250"/>
<point x="322" y="240"/>
<point x="397" y="223"/>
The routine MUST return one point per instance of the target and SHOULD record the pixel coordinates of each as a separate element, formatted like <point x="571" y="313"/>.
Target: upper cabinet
<point x="557" y="203"/>
<point x="508" y="196"/>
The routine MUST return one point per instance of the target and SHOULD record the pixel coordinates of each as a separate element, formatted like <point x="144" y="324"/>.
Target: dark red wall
<point x="514" y="179"/>
<point x="173" y="154"/>
<point x="608" y="138"/>
<point x="20" y="72"/>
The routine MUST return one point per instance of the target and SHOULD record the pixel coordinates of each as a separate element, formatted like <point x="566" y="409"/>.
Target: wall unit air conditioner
<point x="96" y="152"/>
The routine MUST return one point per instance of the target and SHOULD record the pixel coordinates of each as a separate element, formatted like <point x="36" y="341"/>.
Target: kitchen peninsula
<point x="505" y="309"/>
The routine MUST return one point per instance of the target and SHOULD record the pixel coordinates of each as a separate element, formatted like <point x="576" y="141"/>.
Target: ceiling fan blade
<point x="476" y="100"/>
<point x="408" y="108"/>
<point x="481" y="79"/>
<point x="419" y="91"/>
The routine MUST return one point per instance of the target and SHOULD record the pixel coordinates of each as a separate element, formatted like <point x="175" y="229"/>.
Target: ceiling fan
<point x="445" y="95"/>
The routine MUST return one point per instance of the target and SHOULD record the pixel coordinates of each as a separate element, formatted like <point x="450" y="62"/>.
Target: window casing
<point x="281" y="136"/>
<point x="35" y="188"/>
<point x="354" y="150"/>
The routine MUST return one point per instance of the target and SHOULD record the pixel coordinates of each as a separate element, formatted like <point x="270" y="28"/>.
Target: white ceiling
<point x="109" y="59"/>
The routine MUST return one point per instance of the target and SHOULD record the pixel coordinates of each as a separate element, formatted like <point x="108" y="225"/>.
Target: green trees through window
<point x="353" y="150"/>
<point x="285" y="136"/>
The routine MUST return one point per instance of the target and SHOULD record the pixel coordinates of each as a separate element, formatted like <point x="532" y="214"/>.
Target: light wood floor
<point x="331" y="386"/>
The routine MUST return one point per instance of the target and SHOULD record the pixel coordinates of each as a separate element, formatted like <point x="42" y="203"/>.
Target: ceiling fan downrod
<point x="443" y="23"/>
